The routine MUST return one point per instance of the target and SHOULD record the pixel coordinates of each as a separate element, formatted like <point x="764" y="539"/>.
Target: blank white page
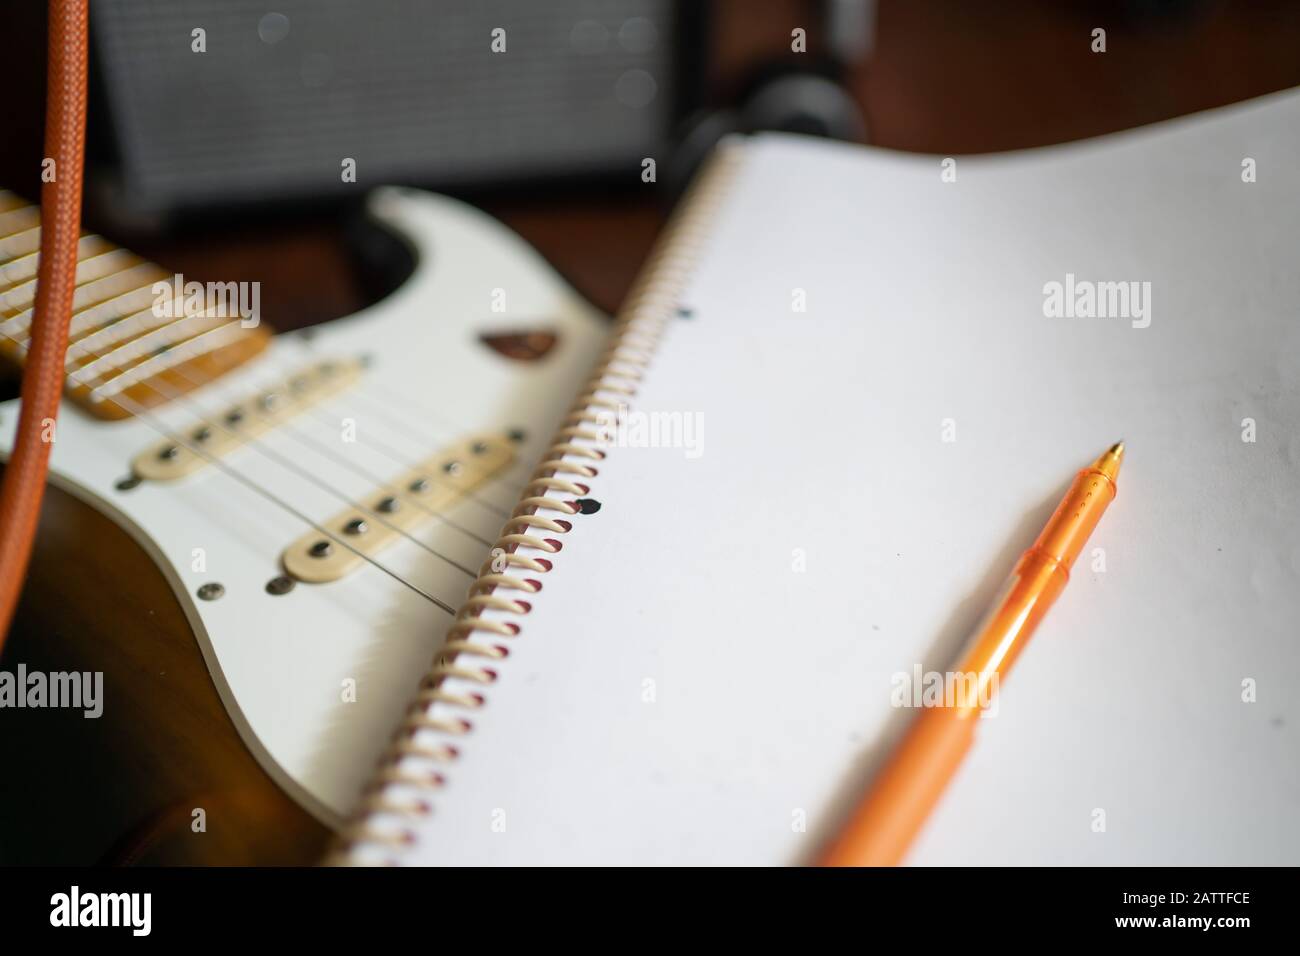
<point x="706" y="676"/>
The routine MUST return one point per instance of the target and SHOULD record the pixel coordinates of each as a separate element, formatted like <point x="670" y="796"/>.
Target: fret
<point x="141" y="346"/>
<point x="120" y="343"/>
<point x="185" y="351"/>
<point x="23" y="294"/>
<point x="174" y="374"/>
<point x="127" y="280"/>
<point x="108" y="336"/>
<point x="20" y="243"/>
<point x="92" y="318"/>
<point x="132" y="279"/>
<point x="111" y="311"/>
<point x="24" y="267"/>
<point x="19" y="220"/>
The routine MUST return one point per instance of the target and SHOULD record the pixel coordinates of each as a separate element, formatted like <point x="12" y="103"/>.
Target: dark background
<point x="944" y="76"/>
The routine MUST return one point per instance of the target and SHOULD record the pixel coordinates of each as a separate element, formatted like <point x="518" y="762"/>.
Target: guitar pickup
<point x="190" y="451"/>
<point x="396" y="509"/>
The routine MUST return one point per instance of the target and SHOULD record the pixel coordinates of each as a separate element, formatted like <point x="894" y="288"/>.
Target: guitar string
<point x="410" y="407"/>
<point x="149" y="419"/>
<point x="292" y="467"/>
<point x="405" y="405"/>
<point x="502" y="476"/>
<point x="302" y="473"/>
<point x="387" y="450"/>
<point x="257" y="445"/>
<point x="323" y="449"/>
<point x="370" y="476"/>
<point x="404" y="461"/>
<point x="307" y="475"/>
<point x="144" y="415"/>
<point x="513" y="476"/>
<point x="395" y="455"/>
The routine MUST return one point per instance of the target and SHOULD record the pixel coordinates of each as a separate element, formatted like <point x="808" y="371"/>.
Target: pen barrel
<point x="911" y="782"/>
<point x="909" y="785"/>
<point x="1038" y="578"/>
<point x="993" y="647"/>
<point x="1076" y="517"/>
<point x="905" y="790"/>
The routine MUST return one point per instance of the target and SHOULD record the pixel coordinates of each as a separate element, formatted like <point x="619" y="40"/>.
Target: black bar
<point x="942" y="906"/>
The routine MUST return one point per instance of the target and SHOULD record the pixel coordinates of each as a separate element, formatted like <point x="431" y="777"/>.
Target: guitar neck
<point x="139" y="337"/>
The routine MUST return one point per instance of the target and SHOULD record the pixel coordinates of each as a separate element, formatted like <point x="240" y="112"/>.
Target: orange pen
<point x="910" y="784"/>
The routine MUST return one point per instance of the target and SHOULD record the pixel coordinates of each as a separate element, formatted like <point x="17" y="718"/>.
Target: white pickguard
<point x="282" y="663"/>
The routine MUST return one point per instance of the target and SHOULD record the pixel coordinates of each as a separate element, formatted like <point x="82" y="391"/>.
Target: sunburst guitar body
<point x="259" y="541"/>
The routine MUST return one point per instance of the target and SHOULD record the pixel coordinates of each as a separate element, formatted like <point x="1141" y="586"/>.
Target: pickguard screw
<point x="389" y="505"/>
<point x="281" y="585"/>
<point x="355" y="526"/>
<point x="211" y="591"/>
<point x="127" y="483"/>
<point x="321" y="549"/>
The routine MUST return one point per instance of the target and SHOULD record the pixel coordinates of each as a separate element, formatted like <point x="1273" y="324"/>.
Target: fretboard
<point x="130" y="345"/>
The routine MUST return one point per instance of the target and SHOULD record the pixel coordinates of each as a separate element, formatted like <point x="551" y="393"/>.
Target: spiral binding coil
<point x="425" y="743"/>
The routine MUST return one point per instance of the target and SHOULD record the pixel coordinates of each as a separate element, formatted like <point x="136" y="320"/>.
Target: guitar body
<point x="263" y="567"/>
<point x="123" y="788"/>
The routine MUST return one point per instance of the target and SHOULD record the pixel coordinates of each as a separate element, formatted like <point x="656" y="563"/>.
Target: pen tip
<point x="1108" y="464"/>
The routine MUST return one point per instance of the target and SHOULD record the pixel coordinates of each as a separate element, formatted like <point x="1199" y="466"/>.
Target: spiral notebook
<point x="847" y="391"/>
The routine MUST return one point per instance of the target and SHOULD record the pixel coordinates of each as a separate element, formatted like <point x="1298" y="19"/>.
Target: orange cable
<point x="65" y="137"/>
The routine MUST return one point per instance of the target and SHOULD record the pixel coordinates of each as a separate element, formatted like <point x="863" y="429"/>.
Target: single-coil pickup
<point x="396" y="509"/>
<point x="190" y="451"/>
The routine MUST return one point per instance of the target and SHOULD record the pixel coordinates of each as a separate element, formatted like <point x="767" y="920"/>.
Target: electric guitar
<point x="318" y="504"/>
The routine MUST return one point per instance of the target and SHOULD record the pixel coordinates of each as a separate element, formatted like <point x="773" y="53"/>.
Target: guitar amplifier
<point x="220" y="102"/>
